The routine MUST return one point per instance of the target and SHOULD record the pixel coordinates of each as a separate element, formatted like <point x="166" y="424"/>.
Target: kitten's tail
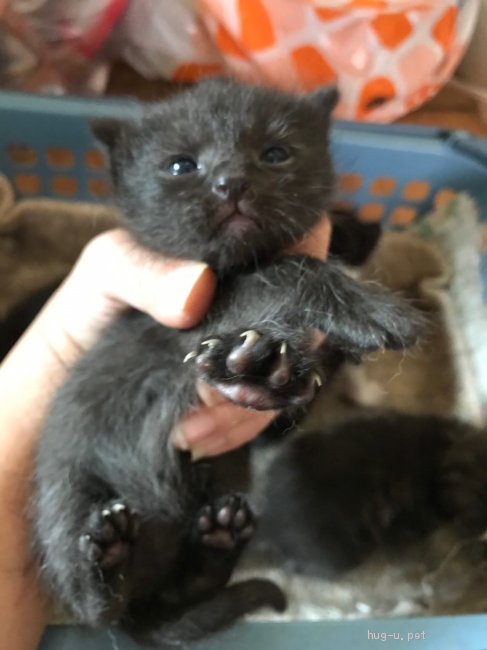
<point x="217" y="613"/>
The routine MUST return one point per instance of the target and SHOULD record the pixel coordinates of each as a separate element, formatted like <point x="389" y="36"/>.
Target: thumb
<point x="177" y="293"/>
<point x="113" y="273"/>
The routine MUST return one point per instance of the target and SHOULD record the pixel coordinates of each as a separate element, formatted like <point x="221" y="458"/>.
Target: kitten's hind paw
<point x="109" y="535"/>
<point x="226" y="523"/>
<point x="259" y="370"/>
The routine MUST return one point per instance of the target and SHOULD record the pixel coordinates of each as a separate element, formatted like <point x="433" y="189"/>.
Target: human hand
<point x="112" y="275"/>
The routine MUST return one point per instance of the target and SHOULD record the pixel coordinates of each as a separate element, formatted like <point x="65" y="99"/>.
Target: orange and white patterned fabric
<point x="387" y="55"/>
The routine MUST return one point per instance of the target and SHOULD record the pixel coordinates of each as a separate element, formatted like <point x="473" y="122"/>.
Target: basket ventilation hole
<point x="350" y="182"/>
<point x="444" y="196"/>
<point x="371" y="212"/>
<point x="99" y="187"/>
<point x="382" y="186"/>
<point x="403" y="215"/>
<point x="57" y="157"/>
<point x="95" y="160"/>
<point x="27" y="183"/>
<point x="416" y="190"/>
<point x="64" y="185"/>
<point x="21" y="154"/>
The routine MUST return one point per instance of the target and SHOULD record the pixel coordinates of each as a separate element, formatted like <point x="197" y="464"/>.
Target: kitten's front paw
<point x="226" y="523"/>
<point x="109" y="535"/>
<point x="258" y="370"/>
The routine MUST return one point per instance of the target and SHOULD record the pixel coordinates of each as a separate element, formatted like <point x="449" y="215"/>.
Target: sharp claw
<point x="211" y="343"/>
<point x="317" y="379"/>
<point x="283" y="348"/>
<point x="281" y="372"/>
<point x="251" y="337"/>
<point x="190" y="355"/>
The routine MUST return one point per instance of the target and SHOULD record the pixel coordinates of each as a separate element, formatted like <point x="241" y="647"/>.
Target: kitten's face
<point x="224" y="172"/>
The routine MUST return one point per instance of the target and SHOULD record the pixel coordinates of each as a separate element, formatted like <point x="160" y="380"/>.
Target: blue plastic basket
<point x="390" y="173"/>
<point x="398" y="173"/>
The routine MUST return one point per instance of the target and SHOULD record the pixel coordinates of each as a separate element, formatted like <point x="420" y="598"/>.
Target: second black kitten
<point x="127" y="529"/>
<point x="371" y="483"/>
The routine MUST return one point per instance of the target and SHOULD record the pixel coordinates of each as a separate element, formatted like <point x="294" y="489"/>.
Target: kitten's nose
<point x="230" y="188"/>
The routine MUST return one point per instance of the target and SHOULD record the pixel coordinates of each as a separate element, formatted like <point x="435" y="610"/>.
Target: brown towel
<point x="40" y="239"/>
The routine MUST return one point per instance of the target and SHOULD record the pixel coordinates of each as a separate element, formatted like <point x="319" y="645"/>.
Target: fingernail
<point x="179" y="439"/>
<point x="179" y="288"/>
<point x="195" y="428"/>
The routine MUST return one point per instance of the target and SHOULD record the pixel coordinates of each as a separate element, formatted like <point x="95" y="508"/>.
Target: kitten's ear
<point x="325" y="98"/>
<point x="107" y="131"/>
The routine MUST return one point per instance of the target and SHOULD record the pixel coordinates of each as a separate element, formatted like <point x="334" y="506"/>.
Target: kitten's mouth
<point x="235" y="218"/>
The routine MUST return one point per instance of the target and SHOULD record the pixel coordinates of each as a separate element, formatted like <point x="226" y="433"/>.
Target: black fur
<point x="106" y="441"/>
<point x="372" y="483"/>
<point x="352" y="241"/>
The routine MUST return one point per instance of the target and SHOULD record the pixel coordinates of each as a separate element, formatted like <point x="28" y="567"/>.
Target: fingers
<point x="217" y="428"/>
<point x="317" y="242"/>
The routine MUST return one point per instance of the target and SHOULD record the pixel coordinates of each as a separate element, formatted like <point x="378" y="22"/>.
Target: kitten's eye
<point x="274" y="155"/>
<point x="182" y="165"/>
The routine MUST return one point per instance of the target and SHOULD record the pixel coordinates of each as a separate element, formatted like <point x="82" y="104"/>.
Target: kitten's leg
<point x="225" y="524"/>
<point x="105" y="445"/>
<point x="356" y="317"/>
<point x="273" y="361"/>
<point x="220" y="532"/>
<point x="214" y="614"/>
<point x="83" y="539"/>
<point x="110" y="532"/>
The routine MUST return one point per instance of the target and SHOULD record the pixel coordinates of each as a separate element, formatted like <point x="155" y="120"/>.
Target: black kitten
<point x="127" y="528"/>
<point x="335" y="496"/>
